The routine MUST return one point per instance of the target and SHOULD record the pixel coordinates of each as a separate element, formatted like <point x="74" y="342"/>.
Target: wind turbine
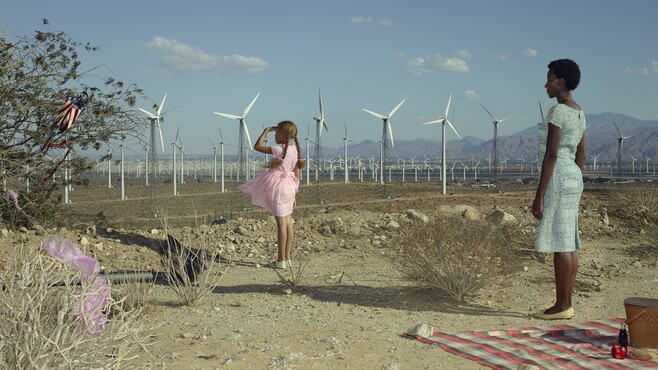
<point x="345" y="140"/>
<point x="386" y="127"/>
<point x="648" y="159"/>
<point x="109" y="168"/>
<point x="320" y="124"/>
<point x="443" y="122"/>
<point x="620" y="143"/>
<point x="174" y="147"/>
<point x="495" y="122"/>
<point x="214" y="163"/>
<point x="155" y="123"/>
<point x="221" y="156"/>
<point x="242" y="156"/>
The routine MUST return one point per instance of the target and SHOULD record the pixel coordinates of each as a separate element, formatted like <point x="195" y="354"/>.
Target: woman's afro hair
<point x="567" y="69"/>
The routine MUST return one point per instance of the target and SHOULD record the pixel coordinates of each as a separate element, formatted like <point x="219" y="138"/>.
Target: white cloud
<point x="501" y="57"/>
<point x="654" y="66"/>
<point x="386" y="21"/>
<point x="470" y="94"/>
<point x="464" y="54"/>
<point x="437" y="63"/>
<point x="370" y="20"/>
<point x="628" y="71"/>
<point x="182" y="59"/>
<point x="530" y="53"/>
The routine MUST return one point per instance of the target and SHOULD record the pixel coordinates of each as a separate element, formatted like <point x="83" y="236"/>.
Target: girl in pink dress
<point x="275" y="189"/>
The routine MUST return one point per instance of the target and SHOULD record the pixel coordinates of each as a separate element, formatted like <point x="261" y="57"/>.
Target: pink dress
<point x="275" y="189"/>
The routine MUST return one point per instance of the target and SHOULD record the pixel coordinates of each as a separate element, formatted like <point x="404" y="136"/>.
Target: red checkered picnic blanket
<point x="585" y="345"/>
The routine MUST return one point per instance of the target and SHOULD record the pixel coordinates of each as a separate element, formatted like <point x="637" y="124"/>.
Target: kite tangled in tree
<point x="66" y="117"/>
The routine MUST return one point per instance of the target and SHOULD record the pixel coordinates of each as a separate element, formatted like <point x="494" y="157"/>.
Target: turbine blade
<point x="445" y="115"/>
<point x="440" y="120"/>
<point x="249" y="106"/>
<point x="453" y="129"/>
<point x="161" y="139"/>
<point x="376" y="114"/>
<point x="232" y="116"/>
<point x="541" y="111"/>
<point x="220" y="134"/>
<point x="324" y="124"/>
<point x="151" y="115"/>
<point x="246" y="131"/>
<point x="492" y="116"/>
<point x="395" y="109"/>
<point x="390" y="133"/>
<point x="345" y="124"/>
<point x="177" y="132"/>
<point x="321" y="108"/>
<point x="503" y="120"/>
<point x="162" y="104"/>
<point x="619" y="132"/>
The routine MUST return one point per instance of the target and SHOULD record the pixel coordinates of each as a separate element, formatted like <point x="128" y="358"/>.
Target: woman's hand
<point x="537" y="207"/>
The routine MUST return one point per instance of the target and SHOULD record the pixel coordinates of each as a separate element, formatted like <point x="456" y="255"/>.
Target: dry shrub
<point x="454" y="256"/>
<point x="635" y="204"/>
<point x="133" y="293"/>
<point x="293" y="276"/>
<point x="39" y="327"/>
<point x="192" y="273"/>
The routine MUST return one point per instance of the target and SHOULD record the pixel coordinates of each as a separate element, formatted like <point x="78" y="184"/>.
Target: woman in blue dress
<point x="562" y="137"/>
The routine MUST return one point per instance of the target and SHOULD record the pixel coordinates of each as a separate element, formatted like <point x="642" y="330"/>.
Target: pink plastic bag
<point x="91" y="297"/>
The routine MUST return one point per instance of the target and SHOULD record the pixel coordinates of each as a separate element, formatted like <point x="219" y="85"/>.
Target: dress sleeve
<point x="277" y="151"/>
<point x="556" y="116"/>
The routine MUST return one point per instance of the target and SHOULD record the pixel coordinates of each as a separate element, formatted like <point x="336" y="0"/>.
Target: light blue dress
<point x="558" y="229"/>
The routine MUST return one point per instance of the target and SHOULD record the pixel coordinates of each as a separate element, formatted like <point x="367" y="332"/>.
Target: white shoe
<point x="279" y="264"/>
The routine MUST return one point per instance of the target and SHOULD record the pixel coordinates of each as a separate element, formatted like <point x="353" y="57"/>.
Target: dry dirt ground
<point x="353" y="303"/>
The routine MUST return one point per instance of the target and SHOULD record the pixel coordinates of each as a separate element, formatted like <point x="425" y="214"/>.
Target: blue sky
<point x="217" y="55"/>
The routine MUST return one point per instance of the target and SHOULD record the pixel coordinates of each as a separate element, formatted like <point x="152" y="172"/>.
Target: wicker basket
<point x="642" y="321"/>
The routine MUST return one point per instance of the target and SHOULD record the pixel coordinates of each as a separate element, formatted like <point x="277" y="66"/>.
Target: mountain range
<point x="601" y="136"/>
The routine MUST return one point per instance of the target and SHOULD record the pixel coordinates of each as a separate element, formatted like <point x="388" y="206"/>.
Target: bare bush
<point x="635" y="204"/>
<point x="454" y="256"/>
<point x="43" y="326"/>
<point x="192" y="273"/>
<point x="293" y="276"/>
<point x="133" y="294"/>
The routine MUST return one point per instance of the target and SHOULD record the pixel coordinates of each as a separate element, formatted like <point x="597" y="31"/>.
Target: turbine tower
<point x="443" y="122"/>
<point x="620" y="143"/>
<point x="319" y="125"/>
<point x="155" y="123"/>
<point x="346" y="167"/>
<point x="242" y="155"/>
<point x="384" y="143"/>
<point x="495" y="122"/>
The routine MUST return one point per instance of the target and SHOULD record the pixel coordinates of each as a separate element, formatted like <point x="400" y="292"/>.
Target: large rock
<point x="471" y="215"/>
<point x="499" y="217"/>
<point x="417" y="216"/>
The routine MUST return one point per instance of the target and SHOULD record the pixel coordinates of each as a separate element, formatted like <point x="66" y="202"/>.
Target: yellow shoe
<point x="564" y="315"/>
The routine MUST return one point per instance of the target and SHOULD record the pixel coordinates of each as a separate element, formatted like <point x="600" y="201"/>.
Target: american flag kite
<point x="66" y="117"/>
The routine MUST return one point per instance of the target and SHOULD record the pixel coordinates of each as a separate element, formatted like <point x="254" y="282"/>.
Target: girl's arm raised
<point x="260" y="143"/>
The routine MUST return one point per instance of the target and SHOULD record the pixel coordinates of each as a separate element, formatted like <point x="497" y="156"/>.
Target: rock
<point x="154" y="231"/>
<point x="99" y="246"/>
<point x="260" y="240"/>
<point x="470" y="215"/>
<point x="417" y="216"/>
<point x="421" y="330"/>
<point x="4" y="233"/>
<point x="241" y="230"/>
<point x="336" y="223"/>
<point x="84" y="241"/>
<point x="636" y="264"/>
<point x="499" y="217"/>
<point x="325" y="230"/>
<point x="527" y="367"/>
<point x="392" y="225"/>
<point x="220" y="221"/>
<point x="22" y="230"/>
<point x="91" y="231"/>
<point x="353" y="230"/>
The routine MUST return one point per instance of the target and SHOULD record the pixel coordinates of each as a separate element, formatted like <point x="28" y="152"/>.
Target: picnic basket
<point x="642" y="321"/>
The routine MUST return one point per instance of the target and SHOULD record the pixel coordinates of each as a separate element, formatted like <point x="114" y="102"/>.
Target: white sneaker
<point x="279" y="264"/>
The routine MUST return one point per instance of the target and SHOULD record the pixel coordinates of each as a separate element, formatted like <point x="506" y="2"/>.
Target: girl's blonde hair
<point x="290" y="129"/>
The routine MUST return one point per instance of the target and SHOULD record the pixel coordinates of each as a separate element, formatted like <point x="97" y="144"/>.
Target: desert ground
<point x="353" y="302"/>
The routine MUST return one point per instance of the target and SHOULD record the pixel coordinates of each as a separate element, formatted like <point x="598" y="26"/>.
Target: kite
<point x="66" y="117"/>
